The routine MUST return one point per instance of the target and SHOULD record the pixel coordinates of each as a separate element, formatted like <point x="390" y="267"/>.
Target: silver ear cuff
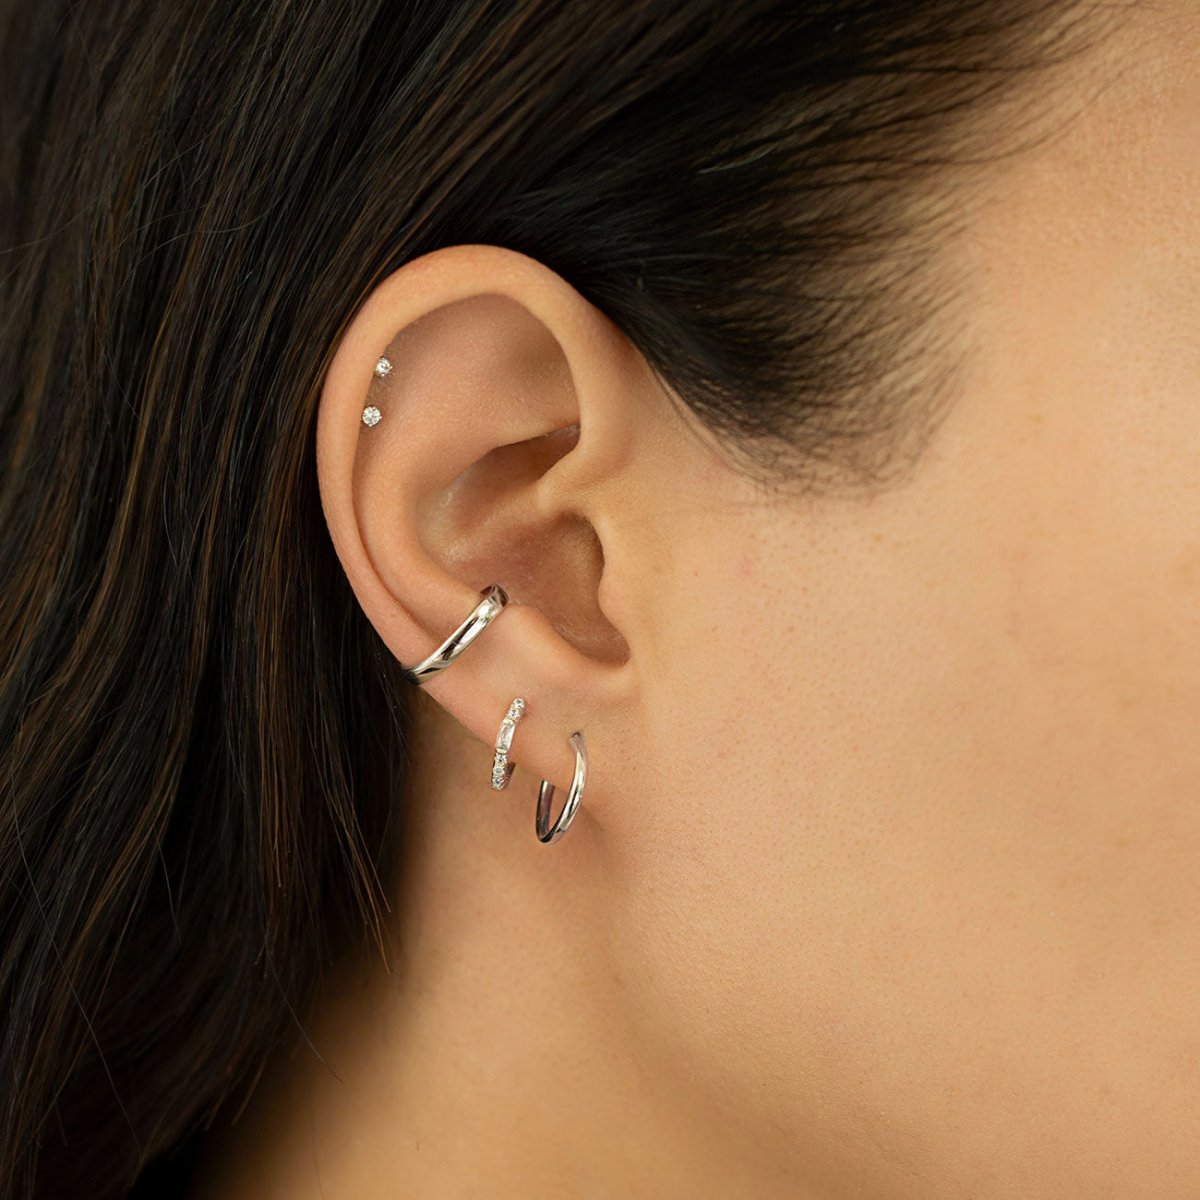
<point x="547" y="833"/>
<point x="482" y="615"/>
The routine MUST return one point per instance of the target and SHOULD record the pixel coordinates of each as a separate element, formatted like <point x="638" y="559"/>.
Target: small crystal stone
<point x="371" y="415"/>
<point x="383" y="367"/>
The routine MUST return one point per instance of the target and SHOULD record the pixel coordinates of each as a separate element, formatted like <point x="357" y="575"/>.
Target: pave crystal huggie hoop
<point x="502" y="769"/>
<point x="546" y="794"/>
<point x="482" y="615"/>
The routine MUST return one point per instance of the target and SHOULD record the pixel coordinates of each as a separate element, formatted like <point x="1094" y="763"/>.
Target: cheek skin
<point x="922" y="796"/>
<point x="919" y="823"/>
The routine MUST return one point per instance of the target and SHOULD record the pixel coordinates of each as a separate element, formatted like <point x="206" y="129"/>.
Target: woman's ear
<point x="503" y="447"/>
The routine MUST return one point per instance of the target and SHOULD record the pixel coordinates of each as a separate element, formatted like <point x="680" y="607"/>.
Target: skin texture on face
<point x="885" y="881"/>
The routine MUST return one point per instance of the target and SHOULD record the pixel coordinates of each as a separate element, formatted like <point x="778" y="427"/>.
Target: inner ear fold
<point x="480" y="407"/>
<point x="486" y="525"/>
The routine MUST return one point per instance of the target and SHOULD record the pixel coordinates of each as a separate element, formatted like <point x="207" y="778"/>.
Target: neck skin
<point x="501" y="1055"/>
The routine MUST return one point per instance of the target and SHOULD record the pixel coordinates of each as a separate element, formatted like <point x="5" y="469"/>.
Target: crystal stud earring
<point x="370" y="414"/>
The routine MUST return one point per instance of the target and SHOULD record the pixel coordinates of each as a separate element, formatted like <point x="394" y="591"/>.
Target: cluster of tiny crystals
<point x="371" y="414"/>
<point x="501" y="770"/>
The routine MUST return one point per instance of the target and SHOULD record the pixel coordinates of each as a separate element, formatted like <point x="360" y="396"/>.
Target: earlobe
<point x="473" y="428"/>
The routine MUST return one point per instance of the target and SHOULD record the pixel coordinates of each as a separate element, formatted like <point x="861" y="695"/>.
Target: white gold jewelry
<point x="370" y="414"/>
<point x="546" y="794"/>
<point x="482" y="615"/>
<point x="502" y="769"/>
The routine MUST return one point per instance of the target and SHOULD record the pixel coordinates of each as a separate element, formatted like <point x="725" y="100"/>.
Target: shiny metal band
<point x="546" y="794"/>
<point x="482" y="615"/>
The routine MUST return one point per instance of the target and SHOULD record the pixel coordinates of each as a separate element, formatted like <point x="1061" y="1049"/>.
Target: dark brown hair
<point x="201" y="742"/>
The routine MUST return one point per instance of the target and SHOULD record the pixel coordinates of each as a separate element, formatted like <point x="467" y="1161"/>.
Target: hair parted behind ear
<point x="200" y="738"/>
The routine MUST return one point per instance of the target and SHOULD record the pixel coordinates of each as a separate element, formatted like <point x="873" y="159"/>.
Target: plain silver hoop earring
<point x="546" y="795"/>
<point x="482" y="615"/>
